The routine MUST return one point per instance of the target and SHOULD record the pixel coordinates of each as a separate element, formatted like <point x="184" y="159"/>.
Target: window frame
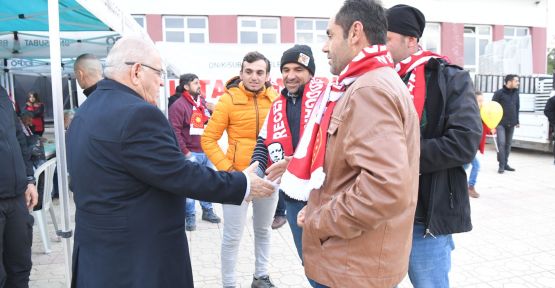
<point x="314" y="31"/>
<point x="186" y="30"/>
<point x="141" y="16"/>
<point x="475" y="68"/>
<point x="258" y="29"/>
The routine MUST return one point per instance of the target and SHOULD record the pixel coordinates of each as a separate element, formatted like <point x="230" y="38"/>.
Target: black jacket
<point x="15" y="160"/>
<point x="510" y="101"/>
<point x="450" y="134"/>
<point x="129" y="178"/>
<point x="549" y="110"/>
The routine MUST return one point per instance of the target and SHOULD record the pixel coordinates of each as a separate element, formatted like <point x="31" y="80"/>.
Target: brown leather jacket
<point x="358" y="226"/>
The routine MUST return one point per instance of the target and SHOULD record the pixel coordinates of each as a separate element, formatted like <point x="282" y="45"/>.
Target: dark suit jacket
<point x="129" y="178"/>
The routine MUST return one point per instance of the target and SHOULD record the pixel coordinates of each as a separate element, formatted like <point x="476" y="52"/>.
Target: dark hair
<point x="86" y="56"/>
<point x="254" y="56"/>
<point x="370" y="13"/>
<point x="478" y="93"/>
<point x="36" y="95"/>
<point x="510" y="77"/>
<point x="185" y="79"/>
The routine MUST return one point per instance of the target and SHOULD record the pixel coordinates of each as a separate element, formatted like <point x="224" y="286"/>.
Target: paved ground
<point x="512" y="244"/>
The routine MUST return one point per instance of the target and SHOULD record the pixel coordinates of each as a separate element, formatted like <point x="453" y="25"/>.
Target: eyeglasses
<point x="160" y="72"/>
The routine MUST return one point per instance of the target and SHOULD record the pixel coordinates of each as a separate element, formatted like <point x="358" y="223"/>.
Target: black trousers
<point x="504" y="141"/>
<point x="16" y="231"/>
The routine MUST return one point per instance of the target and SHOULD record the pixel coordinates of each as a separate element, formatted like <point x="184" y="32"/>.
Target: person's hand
<point x="277" y="169"/>
<point x="259" y="187"/>
<point x="31" y="196"/>
<point x="517" y="125"/>
<point x="300" y="217"/>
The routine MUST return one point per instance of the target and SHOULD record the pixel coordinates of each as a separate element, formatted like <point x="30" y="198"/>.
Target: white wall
<point x="505" y="12"/>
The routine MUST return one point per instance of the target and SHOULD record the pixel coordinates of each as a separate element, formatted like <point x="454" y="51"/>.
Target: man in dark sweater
<point x="509" y="99"/>
<point x="297" y="69"/>
<point x="18" y="194"/>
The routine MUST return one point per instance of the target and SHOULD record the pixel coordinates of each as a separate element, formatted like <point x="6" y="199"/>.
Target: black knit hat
<point x="300" y="54"/>
<point x="405" y="20"/>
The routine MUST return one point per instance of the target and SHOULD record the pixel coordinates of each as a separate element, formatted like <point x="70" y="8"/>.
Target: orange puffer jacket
<point x="242" y="114"/>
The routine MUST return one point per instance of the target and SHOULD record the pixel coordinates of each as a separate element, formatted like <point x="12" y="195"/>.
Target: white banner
<point x="215" y="64"/>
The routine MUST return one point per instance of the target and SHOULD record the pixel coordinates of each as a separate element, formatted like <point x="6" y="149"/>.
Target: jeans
<point x="280" y="209"/>
<point x="16" y="237"/>
<point x="504" y="141"/>
<point x="293" y="207"/>
<point x="200" y="158"/>
<point x="430" y="259"/>
<point x="235" y="218"/>
<point x="473" y="171"/>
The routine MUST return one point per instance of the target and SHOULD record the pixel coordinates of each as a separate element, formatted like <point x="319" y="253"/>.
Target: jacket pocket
<point x="334" y="125"/>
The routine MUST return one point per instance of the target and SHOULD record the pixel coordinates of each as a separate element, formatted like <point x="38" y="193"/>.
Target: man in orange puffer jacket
<point x="241" y="112"/>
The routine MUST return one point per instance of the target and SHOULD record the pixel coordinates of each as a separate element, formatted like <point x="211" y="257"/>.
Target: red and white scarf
<point x="278" y="136"/>
<point x="199" y="116"/>
<point x="306" y="170"/>
<point x="415" y="65"/>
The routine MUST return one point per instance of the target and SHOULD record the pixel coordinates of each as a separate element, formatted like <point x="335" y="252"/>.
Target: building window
<point x="476" y="38"/>
<point x="254" y="30"/>
<point x="431" y="39"/>
<point x="141" y="19"/>
<point x="310" y="31"/>
<point x="514" y="32"/>
<point x="186" y="29"/>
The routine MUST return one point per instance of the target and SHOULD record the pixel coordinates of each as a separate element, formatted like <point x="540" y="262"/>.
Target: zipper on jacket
<point x="430" y="207"/>
<point x="429" y="233"/>
<point x="256" y="108"/>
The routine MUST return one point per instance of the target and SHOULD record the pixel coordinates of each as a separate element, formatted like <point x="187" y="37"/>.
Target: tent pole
<point x="57" y="94"/>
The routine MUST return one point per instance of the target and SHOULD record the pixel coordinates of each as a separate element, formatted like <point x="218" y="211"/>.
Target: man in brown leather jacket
<point x="358" y="224"/>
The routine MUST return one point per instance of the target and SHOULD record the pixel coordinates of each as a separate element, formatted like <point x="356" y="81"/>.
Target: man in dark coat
<point x="17" y="194"/>
<point x="549" y="112"/>
<point x="509" y="99"/>
<point x="129" y="179"/>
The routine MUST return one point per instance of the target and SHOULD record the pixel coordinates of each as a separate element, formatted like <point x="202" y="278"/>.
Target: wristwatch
<point x="31" y="180"/>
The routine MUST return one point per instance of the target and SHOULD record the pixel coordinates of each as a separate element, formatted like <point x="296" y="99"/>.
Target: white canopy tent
<point x="53" y="17"/>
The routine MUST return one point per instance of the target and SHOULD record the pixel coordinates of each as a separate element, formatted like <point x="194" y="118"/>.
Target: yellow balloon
<point x="491" y="113"/>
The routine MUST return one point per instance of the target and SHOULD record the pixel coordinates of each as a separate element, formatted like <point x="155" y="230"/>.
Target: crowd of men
<point x="368" y="171"/>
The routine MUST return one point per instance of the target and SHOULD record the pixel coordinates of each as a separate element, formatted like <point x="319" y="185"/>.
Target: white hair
<point x="128" y="49"/>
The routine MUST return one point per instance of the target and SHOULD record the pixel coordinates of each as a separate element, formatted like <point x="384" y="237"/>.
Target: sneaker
<point x="509" y="168"/>
<point x="472" y="192"/>
<point x="262" y="282"/>
<point x="501" y="170"/>
<point x="190" y="223"/>
<point x="278" y="222"/>
<point x="210" y="216"/>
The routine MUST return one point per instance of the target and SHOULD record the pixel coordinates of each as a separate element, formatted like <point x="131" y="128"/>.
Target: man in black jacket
<point x="18" y="194"/>
<point x="510" y="101"/>
<point x="549" y="112"/>
<point x="451" y="129"/>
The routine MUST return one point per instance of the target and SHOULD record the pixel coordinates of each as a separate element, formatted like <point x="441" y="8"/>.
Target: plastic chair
<point x="47" y="169"/>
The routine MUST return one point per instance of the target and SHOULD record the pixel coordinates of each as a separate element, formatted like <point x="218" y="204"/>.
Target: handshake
<point x="261" y="186"/>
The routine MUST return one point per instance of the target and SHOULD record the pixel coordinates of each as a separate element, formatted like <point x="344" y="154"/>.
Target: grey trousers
<point x="235" y="218"/>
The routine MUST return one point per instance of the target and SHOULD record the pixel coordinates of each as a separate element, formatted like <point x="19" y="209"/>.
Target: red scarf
<point x="417" y="80"/>
<point x="198" y="117"/>
<point x="306" y="170"/>
<point x="279" y="140"/>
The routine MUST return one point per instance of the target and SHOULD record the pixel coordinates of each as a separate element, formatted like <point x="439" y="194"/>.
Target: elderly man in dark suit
<point x="129" y="179"/>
